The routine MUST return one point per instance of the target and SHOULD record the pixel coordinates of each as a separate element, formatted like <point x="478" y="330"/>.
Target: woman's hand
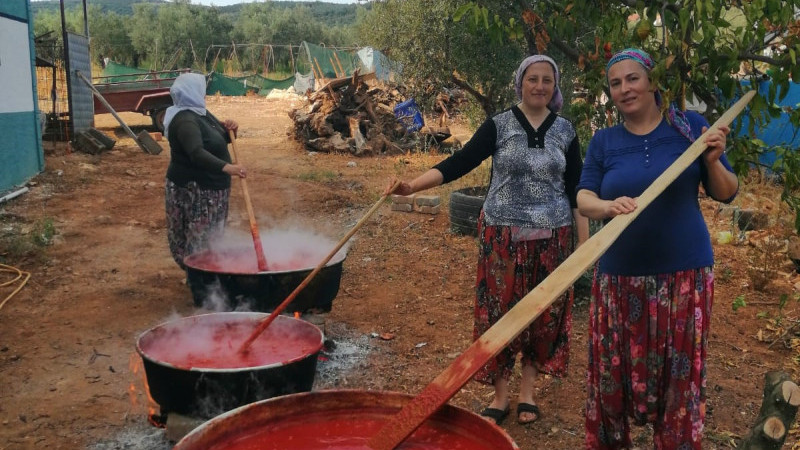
<point x="620" y="205"/>
<point x="235" y="170"/>
<point x="403" y="188"/>
<point x="231" y="125"/>
<point x="715" y="140"/>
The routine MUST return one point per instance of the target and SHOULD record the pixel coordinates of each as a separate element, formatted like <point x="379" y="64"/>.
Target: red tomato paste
<point x="283" y="250"/>
<point x="319" y="431"/>
<point x="215" y="344"/>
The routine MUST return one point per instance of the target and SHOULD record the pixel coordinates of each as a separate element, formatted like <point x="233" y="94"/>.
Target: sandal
<point x="497" y="415"/>
<point x="528" y="408"/>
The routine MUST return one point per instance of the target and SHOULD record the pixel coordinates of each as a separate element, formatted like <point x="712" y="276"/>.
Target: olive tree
<point x="435" y="51"/>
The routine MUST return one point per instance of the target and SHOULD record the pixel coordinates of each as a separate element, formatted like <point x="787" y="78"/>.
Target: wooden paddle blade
<point x="415" y="412"/>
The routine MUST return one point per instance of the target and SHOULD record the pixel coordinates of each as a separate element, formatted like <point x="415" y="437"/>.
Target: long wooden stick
<point x="262" y="262"/>
<point x="154" y="150"/>
<point x="268" y="320"/>
<point x="444" y="386"/>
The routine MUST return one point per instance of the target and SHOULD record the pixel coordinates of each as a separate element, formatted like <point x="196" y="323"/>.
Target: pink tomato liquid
<point x="215" y="344"/>
<point x="318" y="431"/>
<point x="243" y="260"/>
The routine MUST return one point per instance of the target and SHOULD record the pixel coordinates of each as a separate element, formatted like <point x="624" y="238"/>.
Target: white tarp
<point x="16" y="80"/>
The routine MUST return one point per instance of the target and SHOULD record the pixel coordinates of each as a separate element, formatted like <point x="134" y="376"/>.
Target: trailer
<point x="146" y="93"/>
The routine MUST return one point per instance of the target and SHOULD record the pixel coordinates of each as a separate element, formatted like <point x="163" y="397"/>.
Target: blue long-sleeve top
<point x="670" y="235"/>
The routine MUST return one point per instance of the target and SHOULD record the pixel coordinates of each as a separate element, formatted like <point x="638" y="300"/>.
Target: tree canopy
<point x="152" y="33"/>
<point x="704" y="50"/>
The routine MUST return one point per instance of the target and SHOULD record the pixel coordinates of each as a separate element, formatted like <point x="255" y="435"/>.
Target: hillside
<point x="331" y="14"/>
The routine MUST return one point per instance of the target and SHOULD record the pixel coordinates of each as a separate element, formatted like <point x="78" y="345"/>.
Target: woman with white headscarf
<point x="526" y="227"/>
<point x="198" y="182"/>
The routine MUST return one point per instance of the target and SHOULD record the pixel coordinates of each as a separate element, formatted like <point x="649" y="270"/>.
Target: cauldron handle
<point x="496" y="338"/>
<point x="262" y="262"/>
<point x="268" y="320"/>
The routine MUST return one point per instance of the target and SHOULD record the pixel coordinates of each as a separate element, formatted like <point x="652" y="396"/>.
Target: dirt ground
<point x="68" y="367"/>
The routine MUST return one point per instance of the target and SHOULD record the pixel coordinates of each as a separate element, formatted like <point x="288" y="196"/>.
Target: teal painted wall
<point x="15" y="8"/>
<point x="21" y="153"/>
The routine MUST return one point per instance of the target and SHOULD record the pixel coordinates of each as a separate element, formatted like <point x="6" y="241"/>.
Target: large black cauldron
<point x="203" y="389"/>
<point x="231" y="275"/>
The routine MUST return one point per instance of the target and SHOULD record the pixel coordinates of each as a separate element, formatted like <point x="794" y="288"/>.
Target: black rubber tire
<point x="158" y="119"/>
<point x="465" y="208"/>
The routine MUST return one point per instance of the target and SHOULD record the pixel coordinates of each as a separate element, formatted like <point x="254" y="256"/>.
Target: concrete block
<point x="403" y="199"/>
<point x="429" y="209"/>
<point x="405" y="207"/>
<point x="179" y="426"/>
<point x="427" y="200"/>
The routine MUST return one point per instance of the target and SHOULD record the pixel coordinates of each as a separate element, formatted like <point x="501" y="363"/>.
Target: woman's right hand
<point x="403" y="188"/>
<point x="620" y="205"/>
<point x="235" y="170"/>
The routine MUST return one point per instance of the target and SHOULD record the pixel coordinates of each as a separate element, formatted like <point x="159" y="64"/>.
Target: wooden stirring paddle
<point x="444" y="386"/>
<point x="268" y="320"/>
<point x="262" y="261"/>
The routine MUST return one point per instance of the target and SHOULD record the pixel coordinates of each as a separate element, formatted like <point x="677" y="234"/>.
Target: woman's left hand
<point x="231" y="125"/>
<point x="716" y="144"/>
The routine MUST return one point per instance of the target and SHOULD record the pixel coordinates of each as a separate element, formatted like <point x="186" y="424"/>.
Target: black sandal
<point x="498" y="415"/>
<point x="528" y="408"/>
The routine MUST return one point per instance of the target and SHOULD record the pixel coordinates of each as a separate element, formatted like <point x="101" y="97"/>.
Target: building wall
<point x="21" y="155"/>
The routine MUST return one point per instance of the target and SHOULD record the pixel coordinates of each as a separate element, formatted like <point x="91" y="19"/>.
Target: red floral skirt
<point x="507" y="271"/>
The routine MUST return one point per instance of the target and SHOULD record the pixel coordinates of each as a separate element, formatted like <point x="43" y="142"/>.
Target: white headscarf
<point x="188" y="92"/>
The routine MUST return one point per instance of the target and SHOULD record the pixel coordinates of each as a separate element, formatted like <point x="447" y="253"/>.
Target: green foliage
<point x="738" y="302"/>
<point x="19" y="241"/>
<point x="153" y="34"/>
<point x="700" y="47"/>
<point x="436" y="52"/>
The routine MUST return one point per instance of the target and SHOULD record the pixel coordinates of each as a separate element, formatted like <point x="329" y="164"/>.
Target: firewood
<point x="777" y="414"/>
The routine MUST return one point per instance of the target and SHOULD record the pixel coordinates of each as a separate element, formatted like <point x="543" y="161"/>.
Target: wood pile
<point x="347" y="115"/>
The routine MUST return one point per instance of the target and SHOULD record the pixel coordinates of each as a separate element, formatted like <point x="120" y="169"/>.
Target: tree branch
<point x="485" y="102"/>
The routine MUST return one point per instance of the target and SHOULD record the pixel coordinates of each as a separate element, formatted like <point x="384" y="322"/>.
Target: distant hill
<point x="331" y="14"/>
<point x="121" y="7"/>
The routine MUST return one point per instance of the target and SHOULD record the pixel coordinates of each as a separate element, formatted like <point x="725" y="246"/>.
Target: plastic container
<point x="408" y="114"/>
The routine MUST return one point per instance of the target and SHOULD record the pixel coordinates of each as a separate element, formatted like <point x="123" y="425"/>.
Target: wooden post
<point x="319" y="69"/>
<point x="335" y="69"/>
<point x="341" y="68"/>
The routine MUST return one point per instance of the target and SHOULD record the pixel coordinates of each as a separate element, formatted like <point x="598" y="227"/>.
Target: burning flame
<point x="137" y="368"/>
<point x="297" y="314"/>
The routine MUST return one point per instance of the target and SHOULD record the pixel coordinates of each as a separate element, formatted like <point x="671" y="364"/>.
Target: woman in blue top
<point x="653" y="289"/>
<point x="525" y="227"/>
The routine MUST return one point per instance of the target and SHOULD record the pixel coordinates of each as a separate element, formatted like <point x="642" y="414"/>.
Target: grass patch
<point x="19" y="241"/>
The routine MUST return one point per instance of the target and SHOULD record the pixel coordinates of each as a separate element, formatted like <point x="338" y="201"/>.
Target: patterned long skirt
<point x="647" y="351"/>
<point x="194" y="217"/>
<point x="507" y="271"/>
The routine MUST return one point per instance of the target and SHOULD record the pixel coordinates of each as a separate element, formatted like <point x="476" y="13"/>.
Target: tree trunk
<point x="778" y="410"/>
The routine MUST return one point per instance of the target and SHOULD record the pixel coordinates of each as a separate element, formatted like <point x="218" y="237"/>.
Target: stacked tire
<point x="465" y="208"/>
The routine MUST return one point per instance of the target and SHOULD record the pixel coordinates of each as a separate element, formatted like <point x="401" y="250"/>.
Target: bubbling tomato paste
<point x="318" y="432"/>
<point x="214" y="344"/>
<point x="284" y="251"/>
